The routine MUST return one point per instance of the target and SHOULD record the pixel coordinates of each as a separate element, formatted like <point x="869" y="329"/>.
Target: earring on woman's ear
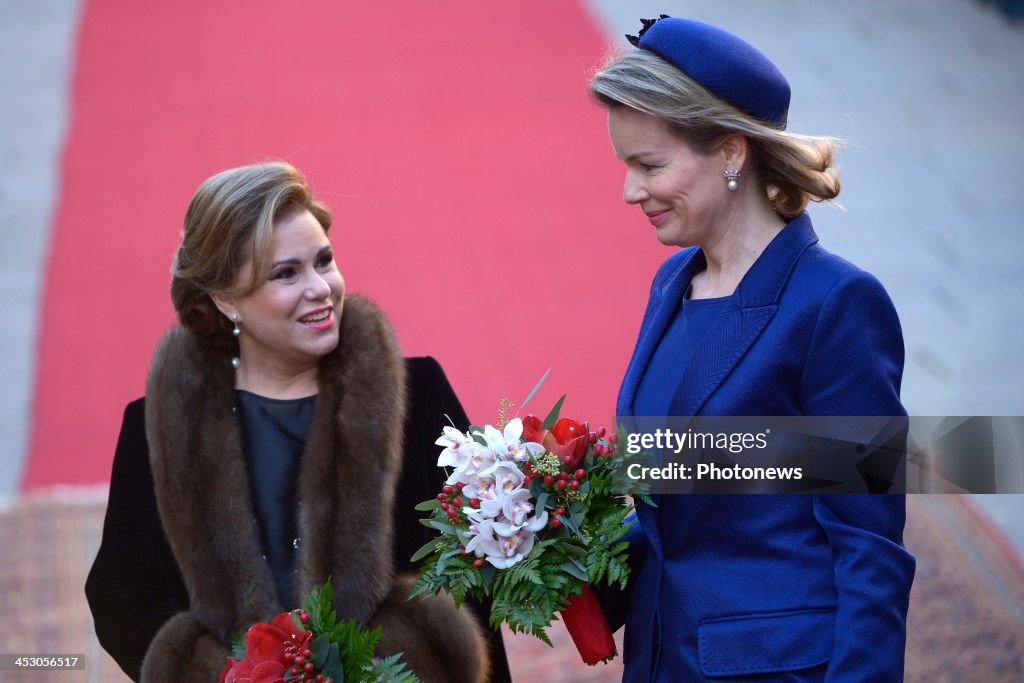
<point x="237" y="331"/>
<point x="731" y="176"/>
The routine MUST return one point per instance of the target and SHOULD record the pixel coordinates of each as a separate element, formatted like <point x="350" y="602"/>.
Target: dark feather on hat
<point x="647" y="23"/>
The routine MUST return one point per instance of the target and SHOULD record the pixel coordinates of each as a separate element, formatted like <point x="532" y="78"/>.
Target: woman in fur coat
<point x="283" y="441"/>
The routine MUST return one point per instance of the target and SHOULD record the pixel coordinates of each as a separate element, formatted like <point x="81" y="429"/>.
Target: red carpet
<point x="475" y="194"/>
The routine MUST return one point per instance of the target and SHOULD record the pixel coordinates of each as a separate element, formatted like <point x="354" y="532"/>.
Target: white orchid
<point x="501" y="544"/>
<point x="517" y="506"/>
<point x="511" y="547"/>
<point x="507" y="445"/>
<point x="481" y="488"/>
<point x="454" y="453"/>
<point x="477" y="460"/>
<point x="496" y="483"/>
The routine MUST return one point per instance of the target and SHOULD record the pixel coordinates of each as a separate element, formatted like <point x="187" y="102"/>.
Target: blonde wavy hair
<point x="794" y="169"/>
<point x="230" y="222"/>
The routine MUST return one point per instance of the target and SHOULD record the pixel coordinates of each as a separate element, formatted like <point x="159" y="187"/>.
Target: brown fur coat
<point x="346" y="491"/>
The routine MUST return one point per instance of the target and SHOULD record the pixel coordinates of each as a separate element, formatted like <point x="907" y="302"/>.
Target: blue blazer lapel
<point x="741" y="322"/>
<point x="666" y="293"/>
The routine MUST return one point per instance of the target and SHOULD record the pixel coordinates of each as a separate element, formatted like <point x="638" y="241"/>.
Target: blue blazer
<point x="773" y="587"/>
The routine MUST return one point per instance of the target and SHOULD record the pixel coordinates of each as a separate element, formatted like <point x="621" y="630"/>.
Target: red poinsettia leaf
<point x="268" y="672"/>
<point x="227" y="669"/>
<point x="285" y="622"/>
<point x="237" y="671"/>
<point x="264" y="642"/>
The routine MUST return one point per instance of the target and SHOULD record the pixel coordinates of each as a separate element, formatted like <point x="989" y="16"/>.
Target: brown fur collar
<point x="347" y="476"/>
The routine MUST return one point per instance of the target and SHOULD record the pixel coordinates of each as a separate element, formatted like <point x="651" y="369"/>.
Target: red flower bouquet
<point x="309" y="644"/>
<point x="532" y="515"/>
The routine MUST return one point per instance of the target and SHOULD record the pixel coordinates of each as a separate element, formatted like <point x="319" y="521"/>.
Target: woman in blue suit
<point x="753" y="317"/>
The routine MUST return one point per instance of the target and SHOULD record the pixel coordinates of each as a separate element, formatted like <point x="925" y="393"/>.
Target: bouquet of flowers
<point x="531" y="515"/>
<point x="309" y="644"/>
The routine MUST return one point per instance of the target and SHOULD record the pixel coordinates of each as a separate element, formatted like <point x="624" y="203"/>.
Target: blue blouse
<point x="687" y="330"/>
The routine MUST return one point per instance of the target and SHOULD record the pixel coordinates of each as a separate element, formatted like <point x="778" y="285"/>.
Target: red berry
<point x="459" y="486"/>
<point x="296" y="670"/>
<point x="457" y="502"/>
<point x="613" y="438"/>
<point x="445" y="506"/>
<point x="559" y="511"/>
<point x="453" y="515"/>
<point x="441" y="497"/>
<point x="601" y="432"/>
<point x="308" y="667"/>
<point x="478" y="563"/>
<point x="527" y="479"/>
<point x="307" y="653"/>
<point x="474" y="502"/>
<point x="581" y="474"/>
<point x="568" y="460"/>
<point x="304" y="616"/>
<point x="300" y="660"/>
<point x="548" y="480"/>
<point x="593" y="437"/>
<point x="289" y="656"/>
<point x="447" y="490"/>
<point x="555" y="524"/>
<point x="319" y="678"/>
<point x="562" y="476"/>
<point x="560" y="485"/>
<point x="574" y="485"/>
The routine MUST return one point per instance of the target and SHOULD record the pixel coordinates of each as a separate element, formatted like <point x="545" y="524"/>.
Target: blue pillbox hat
<point x="728" y="66"/>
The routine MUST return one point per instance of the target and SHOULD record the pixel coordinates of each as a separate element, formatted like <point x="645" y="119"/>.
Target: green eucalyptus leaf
<point x="321" y="647"/>
<point x="428" y="505"/>
<point x="427" y="548"/>
<point x="332" y="666"/>
<point x="574" y="550"/>
<point x="441" y="526"/>
<point x="575" y="569"/>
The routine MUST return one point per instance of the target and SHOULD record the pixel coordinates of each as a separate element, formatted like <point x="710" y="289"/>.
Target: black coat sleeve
<point x="134" y="586"/>
<point x="432" y="401"/>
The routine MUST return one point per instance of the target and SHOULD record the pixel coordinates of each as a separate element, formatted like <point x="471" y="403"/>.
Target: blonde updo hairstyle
<point x="793" y="169"/>
<point x="230" y="222"/>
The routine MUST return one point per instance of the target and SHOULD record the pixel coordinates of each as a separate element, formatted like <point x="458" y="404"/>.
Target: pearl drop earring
<point x="731" y="176"/>
<point x="237" y="331"/>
